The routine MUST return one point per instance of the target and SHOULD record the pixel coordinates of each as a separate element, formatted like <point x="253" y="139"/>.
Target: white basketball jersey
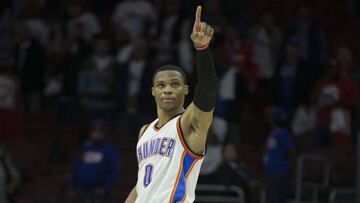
<point x="168" y="170"/>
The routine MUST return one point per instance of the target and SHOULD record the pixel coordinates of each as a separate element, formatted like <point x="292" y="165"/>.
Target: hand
<point x="202" y="33"/>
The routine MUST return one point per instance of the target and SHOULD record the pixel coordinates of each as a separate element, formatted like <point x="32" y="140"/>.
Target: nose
<point x="168" y="89"/>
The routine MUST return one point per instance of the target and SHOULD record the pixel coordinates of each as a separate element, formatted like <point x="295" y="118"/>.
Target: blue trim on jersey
<point x="181" y="187"/>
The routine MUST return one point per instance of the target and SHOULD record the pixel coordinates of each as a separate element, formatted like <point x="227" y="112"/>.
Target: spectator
<point x="97" y="170"/>
<point x="214" y="156"/>
<point x="312" y="40"/>
<point x="238" y="77"/>
<point x="236" y="53"/>
<point x="7" y="38"/>
<point x="82" y="21"/>
<point x="137" y="17"/>
<point x="342" y="116"/>
<point x="30" y="66"/>
<point x="69" y="54"/>
<point x="9" y="177"/>
<point x="348" y="67"/>
<point x="291" y="78"/>
<point x="276" y="158"/>
<point x="171" y="34"/>
<point x="334" y="95"/>
<point x="123" y="45"/>
<point x="38" y="30"/>
<point x="133" y="77"/>
<point x="214" y="16"/>
<point x="325" y="96"/>
<point x="265" y="38"/>
<point x="11" y="107"/>
<point x="345" y="59"/>
<point x="303" y="127"/>
<point x="96" y="84"/>
<point x="230" y="172"/>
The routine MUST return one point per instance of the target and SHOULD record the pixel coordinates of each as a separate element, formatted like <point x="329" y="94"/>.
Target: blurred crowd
<point x="89" y="59"/>
<point x="94" y="59"/>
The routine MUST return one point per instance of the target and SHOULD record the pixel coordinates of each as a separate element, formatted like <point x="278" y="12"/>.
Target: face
<point x="97" y="135"/>
<point x="169" y="90"/>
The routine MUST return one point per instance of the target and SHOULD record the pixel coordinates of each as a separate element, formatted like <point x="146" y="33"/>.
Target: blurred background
<point x="75" y="80"/>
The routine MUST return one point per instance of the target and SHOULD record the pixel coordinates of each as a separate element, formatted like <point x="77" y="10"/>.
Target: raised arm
<point x="197" y="118"/>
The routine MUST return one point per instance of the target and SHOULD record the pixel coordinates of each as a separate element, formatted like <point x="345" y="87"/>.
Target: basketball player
<point x="170" y="150"/>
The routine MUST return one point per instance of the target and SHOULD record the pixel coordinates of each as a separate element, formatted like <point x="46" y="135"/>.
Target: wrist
<point x="201" y="47"/>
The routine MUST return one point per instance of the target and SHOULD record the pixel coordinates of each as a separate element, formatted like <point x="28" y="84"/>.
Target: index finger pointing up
<point x="198" y="14"/>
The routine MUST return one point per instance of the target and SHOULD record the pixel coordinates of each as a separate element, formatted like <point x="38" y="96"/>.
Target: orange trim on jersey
<point x="156" y="129"/>
<point x="183" y="199"/>
<point x="183" y="141"/>
<point x="191" y="167"/>
<point x="186" y="176"/>
<point x="178" y="177"/>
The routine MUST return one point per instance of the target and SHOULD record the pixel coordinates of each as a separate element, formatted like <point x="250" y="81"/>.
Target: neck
<point x="165" y="116"/>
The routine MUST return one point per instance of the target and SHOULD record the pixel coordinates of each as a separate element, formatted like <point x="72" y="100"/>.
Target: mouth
<point x="168" y="99"/>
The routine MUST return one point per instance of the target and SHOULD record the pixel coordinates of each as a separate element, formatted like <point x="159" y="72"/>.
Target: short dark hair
<point x="170" y="67"/>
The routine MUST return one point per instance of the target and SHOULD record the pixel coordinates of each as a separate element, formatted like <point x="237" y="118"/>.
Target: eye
<point x="175" y="84"/>
<point x="160" y="85"/>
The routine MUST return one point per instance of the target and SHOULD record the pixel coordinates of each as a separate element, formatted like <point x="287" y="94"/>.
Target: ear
<point x="152" y="91"/>
<point x="186" y="89"/>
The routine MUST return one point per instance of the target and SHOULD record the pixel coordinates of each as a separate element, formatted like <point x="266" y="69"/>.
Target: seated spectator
<point x="97" y="170"/>
<point x="230" y="172"/>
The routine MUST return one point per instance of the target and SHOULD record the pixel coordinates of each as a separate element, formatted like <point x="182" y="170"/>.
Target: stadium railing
<point x="319" y="167"/>
<point x="219" y="193"/>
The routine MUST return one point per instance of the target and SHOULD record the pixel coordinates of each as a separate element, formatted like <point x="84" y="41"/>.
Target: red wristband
<point x="201" y="48"/>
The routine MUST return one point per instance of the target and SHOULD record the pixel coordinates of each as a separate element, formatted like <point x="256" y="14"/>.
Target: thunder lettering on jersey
<point x="159" y="146"/>
<point x="168" y="169"/>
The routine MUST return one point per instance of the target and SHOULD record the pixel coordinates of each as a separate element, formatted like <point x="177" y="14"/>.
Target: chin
<point x="168" y="107"/>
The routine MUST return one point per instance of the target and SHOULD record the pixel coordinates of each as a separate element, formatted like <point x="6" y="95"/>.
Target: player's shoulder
<point x="143" y="129"/>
